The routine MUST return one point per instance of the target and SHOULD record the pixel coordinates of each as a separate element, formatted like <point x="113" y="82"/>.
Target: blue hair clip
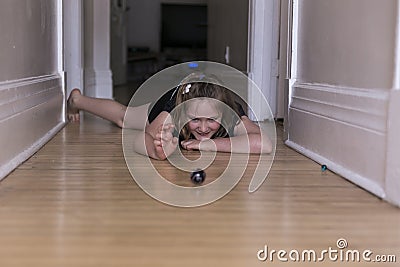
<point x="193" y="65"/>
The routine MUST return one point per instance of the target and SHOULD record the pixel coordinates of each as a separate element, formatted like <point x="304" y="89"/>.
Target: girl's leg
<point x="107" y="109"/>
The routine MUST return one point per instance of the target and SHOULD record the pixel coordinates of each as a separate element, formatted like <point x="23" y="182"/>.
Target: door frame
<point x="73" y="44"/>
<point x="263" y="55"/>
<point x="87" y="47"/>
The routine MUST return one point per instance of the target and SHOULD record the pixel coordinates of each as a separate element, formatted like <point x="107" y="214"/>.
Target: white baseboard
<point x="74" y="79"/>
<point x="354" y="177"/>
<point x="31" y="112"/>
<point x="344" y="128"/>
<point x="365" y="108"/>
<point x="25" y="154"/>
<point x="98" y="83"/>
<point x="392" y="181"/>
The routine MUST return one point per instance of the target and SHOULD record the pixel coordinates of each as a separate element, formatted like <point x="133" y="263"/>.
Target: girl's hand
<point x="194" y="144"/>
<point x="165" y="143"/>
<point x="191" y="144"/>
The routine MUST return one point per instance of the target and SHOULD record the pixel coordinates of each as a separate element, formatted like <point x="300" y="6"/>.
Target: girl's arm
<point x="247" y="139"/>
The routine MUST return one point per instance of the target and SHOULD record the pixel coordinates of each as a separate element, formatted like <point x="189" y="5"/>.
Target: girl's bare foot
<point x="72" y="110"/>
<point x="165" y="143"/>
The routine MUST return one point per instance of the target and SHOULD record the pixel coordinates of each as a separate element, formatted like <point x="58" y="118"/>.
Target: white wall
<point x="347" y="42"/>
<point x="144" y="21"/>
<point x="28" y="31"/>
<point x="343" y="73"/>
<point x="31" y="86"/>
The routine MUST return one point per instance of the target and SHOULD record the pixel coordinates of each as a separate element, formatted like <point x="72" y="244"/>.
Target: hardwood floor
<point x="74" y="203"/>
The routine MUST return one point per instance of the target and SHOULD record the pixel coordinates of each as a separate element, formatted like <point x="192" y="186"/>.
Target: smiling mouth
<point x="203" y="134"/>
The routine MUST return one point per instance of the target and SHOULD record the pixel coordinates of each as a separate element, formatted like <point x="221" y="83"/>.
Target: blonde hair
<point x="209" y="88"/>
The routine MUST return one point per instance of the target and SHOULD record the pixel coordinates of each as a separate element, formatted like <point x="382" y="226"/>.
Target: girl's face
<point x="204" y="119"/>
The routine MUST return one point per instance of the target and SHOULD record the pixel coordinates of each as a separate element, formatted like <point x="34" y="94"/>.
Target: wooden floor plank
<point x="74" y="203"/>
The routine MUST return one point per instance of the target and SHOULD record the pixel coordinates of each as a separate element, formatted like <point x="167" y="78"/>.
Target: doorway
<point x="187" y="30"/>
<point x="227" y="41"/>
